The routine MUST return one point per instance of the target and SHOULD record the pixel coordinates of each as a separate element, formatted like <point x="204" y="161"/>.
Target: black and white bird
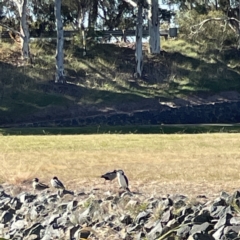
<point x="122" y="180"/>
<point x="38" y="185"/>
<point x="109" y="176"/>
<point x="56" y="183"/>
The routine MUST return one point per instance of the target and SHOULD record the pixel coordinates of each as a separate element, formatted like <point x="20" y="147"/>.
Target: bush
<point x="212" y="34"/>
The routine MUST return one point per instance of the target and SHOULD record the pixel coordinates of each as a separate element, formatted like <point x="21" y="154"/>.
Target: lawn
<point x="160" y="163"/>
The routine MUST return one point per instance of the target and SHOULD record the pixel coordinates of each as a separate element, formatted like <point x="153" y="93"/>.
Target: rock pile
<point x="102" y="215"/>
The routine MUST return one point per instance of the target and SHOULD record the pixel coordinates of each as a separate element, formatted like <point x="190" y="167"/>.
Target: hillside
<point x="102" y="82"/>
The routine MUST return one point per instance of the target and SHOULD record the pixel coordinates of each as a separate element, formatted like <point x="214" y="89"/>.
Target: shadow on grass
<point x="162" y="129"/>
<point x="167" y="75"/>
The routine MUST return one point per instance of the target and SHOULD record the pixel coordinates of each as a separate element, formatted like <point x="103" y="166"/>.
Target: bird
<point x="122" y="180"/>
<point x="56" y="183"/>
<point x="109" y="176"/>
<point x="38" y="185"/>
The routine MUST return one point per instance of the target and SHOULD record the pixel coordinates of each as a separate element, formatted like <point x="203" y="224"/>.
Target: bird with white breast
<point x="122" y="180"/>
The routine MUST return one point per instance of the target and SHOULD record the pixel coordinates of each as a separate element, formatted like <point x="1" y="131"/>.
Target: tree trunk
<point x="24" y="30"/>
<point x="138" y="53"/>
<point x="153" y="24"/>
<point x="92" y="18"/>
<point x="81" y="29"/>
<point x="59" y="76"/>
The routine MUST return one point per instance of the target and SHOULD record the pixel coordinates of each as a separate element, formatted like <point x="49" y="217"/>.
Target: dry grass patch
<point x="160" y="163"/>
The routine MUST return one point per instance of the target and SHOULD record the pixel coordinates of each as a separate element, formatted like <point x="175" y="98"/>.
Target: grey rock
<point x="133" y="228"/>
<point x="204" y="216"/>
<point x="219" y="202"/>
<point x="71" y="206"/>
<point x="140" y="235"/>
<point x="167" y="202"/>
<point x="223" y="221"/>
<point x="82" y="233"/>
<point x="46" y="237"/>
<point x="183" y="231"/>
<point x="7" y="216"/>
<point x="53" y="218"/>
<point x="156" y="231"/>
<point x="231" y="232"/>
<point x="218" y="234"/>
<point x="142" y="216"/>
<point x="225" y="196"/>
<point x="26" y="197"/>
<point x="4" y="195"/>
<point x="236" y="194"/>
<point x="179" y="204"/>
<point x="15" y="203"/>
<point x="53" y="198"/>
<point x="126" y="219"/>
<point x="18" y="225"/>
<point x="216" y="211"/>
<point x="204" y="228"/>
<point x="31" y="237"/>
<point x="34" y="229"/>
<point x="33" y="214"/>
<point x="200" y="236"/>
<point x="166" y="216"/>
<point x="153" y="203"/>
<point x="72" y="230"/>
<point x="235" y="221"/>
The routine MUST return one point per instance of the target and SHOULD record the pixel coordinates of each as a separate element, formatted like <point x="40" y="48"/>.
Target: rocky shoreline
<point x="113" y="214"/>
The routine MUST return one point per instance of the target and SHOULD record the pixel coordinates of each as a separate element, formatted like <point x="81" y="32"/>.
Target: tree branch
<point x="11" y="29"/>
<point x="131" y="2"/>
<point x="197" y="27"/>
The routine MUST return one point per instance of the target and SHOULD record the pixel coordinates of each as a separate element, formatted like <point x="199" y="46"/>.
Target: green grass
<point x="162" y="129"/>
<point x="104" y="76"/>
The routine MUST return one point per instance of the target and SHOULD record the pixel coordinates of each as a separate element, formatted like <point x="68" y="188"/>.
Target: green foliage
<point x="212" y="34"/>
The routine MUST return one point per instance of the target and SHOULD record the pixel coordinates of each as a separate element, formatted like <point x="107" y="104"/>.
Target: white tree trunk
<point x="153" y="24"/>
<point x="59" y="76"/>
<point x="138" y="53"/>
<point x="24" y="30"/>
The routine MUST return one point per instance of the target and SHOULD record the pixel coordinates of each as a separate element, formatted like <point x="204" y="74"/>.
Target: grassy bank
<point x="104" y="77"/>
<point x="205" y="159"/>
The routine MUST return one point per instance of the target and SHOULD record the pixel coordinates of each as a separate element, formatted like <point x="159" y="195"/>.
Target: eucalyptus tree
<point x="139" y="29"/>
<point x="154" y="26"/>
<point x="20" y="10"/>
<point x="92" y="15"/>
<point x="22" y="6"/>
<point x="113" y="12"/>
<point x="59" y="76"/>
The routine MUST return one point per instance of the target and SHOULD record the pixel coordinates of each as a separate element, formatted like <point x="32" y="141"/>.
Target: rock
<point x="142" y="216"/>
<point x="83" y="234"/>
<point x="166" y="216"/>
<point x="223" y="221"/>
<point x="204" y="216"/>
<point x="133" y="228"/>
<point x="126" y="219"/>
<point x="156" y="231"/>
<point x="7" y="216"/>
<point x="200" y="236"/>
<point x="218" y="234"/>
<point x="34" y="229"/>
<point x="231" y="232"/>
<point x="71" y="206"/>
<point x="203" y="228"/>
<point x="183" y="231"/>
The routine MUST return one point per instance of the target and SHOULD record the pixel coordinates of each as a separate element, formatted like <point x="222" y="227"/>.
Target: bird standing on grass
<point x="109" y="176"/>
<point x="122" y="180"/>
<point x="38" y="185"/>
<point x="56" y="183"/>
